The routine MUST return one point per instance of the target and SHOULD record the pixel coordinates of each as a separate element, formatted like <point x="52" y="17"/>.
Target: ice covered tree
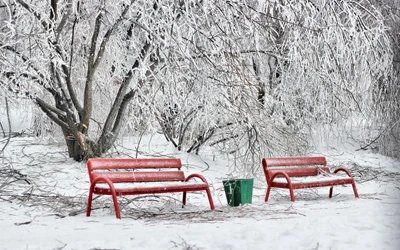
<point x="248" y="77"/>
<point x="278" y="69"/>
<point x="387" y="140"/>
<point x="83" y="61"/>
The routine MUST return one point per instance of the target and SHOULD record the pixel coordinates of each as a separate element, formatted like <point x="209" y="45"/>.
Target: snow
<point x="46" y="208"/>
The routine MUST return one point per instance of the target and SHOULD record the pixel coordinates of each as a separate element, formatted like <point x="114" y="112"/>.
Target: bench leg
<point x="267" y="194"/>
<point x="210" y="199"/>
<point x="330" y="192"/>
<point x="291" y="194"/>
<point x="355" y="189"/>
<point x="353" y="184"/>
<point x="113" y="194"/>
<point x="116" y="206"/>
<point x="184" y="200"/>
<point x="89" y="204"/>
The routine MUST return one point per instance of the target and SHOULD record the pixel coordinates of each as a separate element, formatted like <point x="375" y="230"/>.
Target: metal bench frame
<point x="289" y="167"/>
<point x="166" y="172"/>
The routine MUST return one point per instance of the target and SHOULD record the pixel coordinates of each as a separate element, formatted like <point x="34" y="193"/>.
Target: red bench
<point x="104" y="173"/>
<point x="303" y="172"/>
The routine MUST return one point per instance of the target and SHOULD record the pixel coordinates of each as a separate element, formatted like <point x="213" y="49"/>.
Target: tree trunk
<point x="74" y="149"/>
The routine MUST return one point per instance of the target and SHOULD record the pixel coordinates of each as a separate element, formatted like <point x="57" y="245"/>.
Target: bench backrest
<point x="136" y="170"/>
<point x="295" y="166"/>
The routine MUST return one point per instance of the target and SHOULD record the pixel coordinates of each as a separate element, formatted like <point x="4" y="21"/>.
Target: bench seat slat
<point x="298" y="172"/>
<point x="128" y="163"/>
<point x="188" y="187"/>
<point x="151" y="176"/>
<point x="318" y="181"/>
<point x="295" y="161"/>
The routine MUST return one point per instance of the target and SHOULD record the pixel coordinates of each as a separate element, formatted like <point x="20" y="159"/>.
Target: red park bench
<point x="167" y="175"/>
<point x="303" y="172"/>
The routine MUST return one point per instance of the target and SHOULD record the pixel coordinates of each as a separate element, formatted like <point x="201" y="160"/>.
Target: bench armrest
<point x="102" y="179"/>
<point x="192" y="176"/>
<point x="112" y="191"/>
<point x="281" y="174"/>
<point x="341" y="169"/>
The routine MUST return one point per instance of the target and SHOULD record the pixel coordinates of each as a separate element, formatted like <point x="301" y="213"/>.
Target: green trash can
<point x="238" y="191"/>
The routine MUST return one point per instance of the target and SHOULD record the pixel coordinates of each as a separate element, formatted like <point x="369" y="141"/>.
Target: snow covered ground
<point x="43" y="199"/>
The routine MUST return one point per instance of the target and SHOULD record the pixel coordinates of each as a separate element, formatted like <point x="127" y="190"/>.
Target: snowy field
<point x="43" y="199"/>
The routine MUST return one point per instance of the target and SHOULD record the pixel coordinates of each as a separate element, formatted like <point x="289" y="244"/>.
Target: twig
<point x="22" y="223"/>
<point x="376" y="138"/>
<point x="9" y="127"/>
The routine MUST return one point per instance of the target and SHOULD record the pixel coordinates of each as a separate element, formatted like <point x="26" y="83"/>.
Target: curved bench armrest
<point x="342" y="169"/>
<point x="193" y="176"/>
<point x="207" y="189"/>
<point x="102" y="179"/>
<point x="289" y="183"/>
<point x="113" y="194"/>
<point x="281" y="174"/>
